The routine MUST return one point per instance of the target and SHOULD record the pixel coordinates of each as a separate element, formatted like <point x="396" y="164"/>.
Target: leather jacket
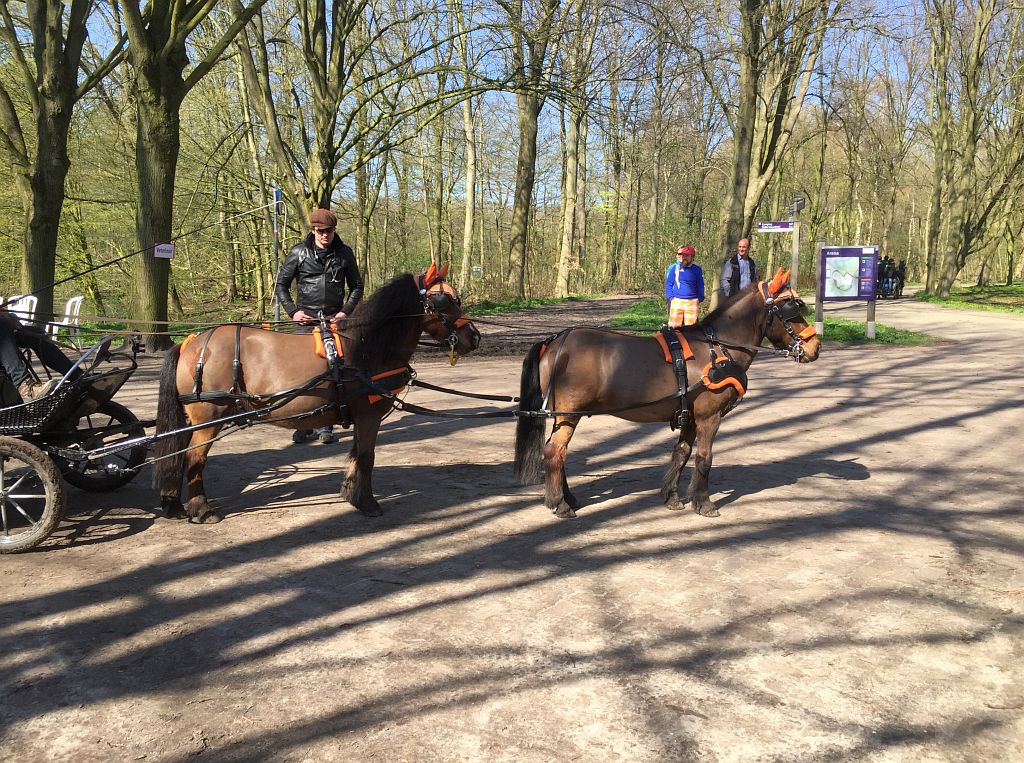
<point x="320" y="278"/>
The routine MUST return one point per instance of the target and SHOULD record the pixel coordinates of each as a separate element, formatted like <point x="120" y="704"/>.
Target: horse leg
<point x="357" y="487"/>
<point x="680" y="456"/>
<point x="557" y="495"/>
<point x="707" y="428"/>
<point x="197" y="508"/>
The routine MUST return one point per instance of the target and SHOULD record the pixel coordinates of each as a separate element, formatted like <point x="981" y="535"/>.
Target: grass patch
<point x="643" y="315"/>
<point x="1001" y="299"/>
<point x="650" y="314"/>
<point x="852" y="332"/>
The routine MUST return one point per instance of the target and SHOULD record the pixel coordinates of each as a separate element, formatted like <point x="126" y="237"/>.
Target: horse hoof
<point x="675" y="505"/>
<point x="706" y="509"/>
<point x="209" y="518"/>
<point x="172" y="508"/>
<point x="565" y="511"/>
<point x="200" y="513"/>
<point x="370" y="511"/>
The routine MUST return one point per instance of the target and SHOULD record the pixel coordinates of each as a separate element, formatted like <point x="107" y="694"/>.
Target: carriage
<point x="75" y="433"/>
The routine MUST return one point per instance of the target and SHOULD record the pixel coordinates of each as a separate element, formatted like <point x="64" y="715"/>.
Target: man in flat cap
<point x="322" y="266"/>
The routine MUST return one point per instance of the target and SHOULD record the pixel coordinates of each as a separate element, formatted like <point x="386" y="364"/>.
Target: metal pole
<point x="277" y="249"/>
<point x="795" y="266"/>
<point x="819" y="306"/>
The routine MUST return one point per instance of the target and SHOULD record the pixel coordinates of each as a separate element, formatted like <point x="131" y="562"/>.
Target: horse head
<point x="443" y="318"/>
<point x="785" y="324"/>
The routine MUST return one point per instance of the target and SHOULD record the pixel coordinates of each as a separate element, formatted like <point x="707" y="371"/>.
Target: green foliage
<point x="852" y="332"/>
<point x="645" y="315"/>
<point x="650" y="314"/>
<point x="1003" y="299"/>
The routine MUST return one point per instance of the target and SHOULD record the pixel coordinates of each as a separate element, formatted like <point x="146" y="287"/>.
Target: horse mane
<point x="719" y="311"/>
<point x="384" y="327"/>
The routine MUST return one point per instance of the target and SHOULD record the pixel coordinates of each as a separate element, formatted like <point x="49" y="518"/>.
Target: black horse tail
<point x="529" y="460"/>
<point x="169" y="466"/>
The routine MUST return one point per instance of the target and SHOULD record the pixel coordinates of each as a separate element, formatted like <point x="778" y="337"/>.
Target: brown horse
<point x="283" y="369"/>
<point x="583" y="370"/>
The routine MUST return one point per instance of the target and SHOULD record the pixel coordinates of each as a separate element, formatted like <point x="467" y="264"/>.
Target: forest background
<point x="544" y="147"/>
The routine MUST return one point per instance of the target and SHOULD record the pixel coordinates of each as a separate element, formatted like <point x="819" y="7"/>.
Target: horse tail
<point x="529" y="460"/>
<point x="169" y="465"/>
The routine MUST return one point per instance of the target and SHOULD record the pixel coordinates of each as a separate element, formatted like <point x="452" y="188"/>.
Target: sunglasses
<point x="324" y="230"/>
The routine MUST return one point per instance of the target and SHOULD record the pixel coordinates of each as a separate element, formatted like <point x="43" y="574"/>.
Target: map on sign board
<point x="848" y="272"/>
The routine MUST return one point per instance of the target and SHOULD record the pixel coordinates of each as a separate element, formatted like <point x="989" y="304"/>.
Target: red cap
<point x="687" y="250"/>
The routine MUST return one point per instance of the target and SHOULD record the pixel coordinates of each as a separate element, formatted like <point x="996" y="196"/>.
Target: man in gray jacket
<point x="739" y="271"/>
<point x="321" y="265"/>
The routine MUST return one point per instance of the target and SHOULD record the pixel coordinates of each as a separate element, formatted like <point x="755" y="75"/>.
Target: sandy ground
<point x="860" y="597"/>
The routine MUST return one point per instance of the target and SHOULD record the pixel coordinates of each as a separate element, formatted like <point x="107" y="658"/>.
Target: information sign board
<point x="166" y="251"/>
<point x="848" y="273"/>
<point x="779" y="226"/>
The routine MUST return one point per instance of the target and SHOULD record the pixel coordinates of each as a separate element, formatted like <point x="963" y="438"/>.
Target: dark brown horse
<point x="280" y="368"/>
<point x="592" y="370"/>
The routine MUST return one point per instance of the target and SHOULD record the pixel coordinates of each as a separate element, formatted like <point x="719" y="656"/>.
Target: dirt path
<point x="860" y="597"/>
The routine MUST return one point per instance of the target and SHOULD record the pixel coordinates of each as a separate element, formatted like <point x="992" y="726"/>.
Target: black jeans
<point x="13" y="336"/>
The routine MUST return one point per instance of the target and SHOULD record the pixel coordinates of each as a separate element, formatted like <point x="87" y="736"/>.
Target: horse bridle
<point x="437" y="296"/>
<point x="786" y="306"/>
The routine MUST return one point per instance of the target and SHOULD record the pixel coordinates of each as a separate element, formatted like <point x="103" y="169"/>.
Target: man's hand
<point x="301" y="316"/>
<point x="340" y="315"/>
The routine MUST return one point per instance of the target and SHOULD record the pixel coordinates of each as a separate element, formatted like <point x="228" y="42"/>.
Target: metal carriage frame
<point x="50" y="439"/>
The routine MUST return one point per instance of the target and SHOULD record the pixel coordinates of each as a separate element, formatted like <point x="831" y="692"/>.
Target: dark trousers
<point x="13" y="336"/>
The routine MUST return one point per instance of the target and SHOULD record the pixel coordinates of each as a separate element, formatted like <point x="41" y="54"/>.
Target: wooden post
<point x="819" y="296"/>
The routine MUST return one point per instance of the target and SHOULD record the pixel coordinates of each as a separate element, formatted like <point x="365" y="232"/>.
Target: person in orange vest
<point x="684" y="288"/>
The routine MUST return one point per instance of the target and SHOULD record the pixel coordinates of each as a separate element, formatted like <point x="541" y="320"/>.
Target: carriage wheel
<point x="115" y="469"/>
<point x="31" y="496"/>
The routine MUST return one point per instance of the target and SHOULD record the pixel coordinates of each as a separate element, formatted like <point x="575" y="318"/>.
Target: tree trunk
<point x="565" y="255"/>
<point x="526" y="173"/>
<point x="157" y="146"/>
<point x="469" y="128"/>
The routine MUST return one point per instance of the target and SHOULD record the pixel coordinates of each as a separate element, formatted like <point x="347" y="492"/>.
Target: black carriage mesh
<point x="38" y="415"/>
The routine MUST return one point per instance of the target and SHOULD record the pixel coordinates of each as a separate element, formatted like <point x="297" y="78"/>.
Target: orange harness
<point x="687" y="352"/>
<point x="319" y="339"/>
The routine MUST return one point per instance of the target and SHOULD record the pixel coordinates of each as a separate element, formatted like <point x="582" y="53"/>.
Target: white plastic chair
<point x="24" y="307"/>
<point x="70" y="322"/>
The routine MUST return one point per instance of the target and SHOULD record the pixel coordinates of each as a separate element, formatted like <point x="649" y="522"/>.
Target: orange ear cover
<point x="778" y="281"/>
<point x="443" y="270"/>
<point x="428" y="277"/>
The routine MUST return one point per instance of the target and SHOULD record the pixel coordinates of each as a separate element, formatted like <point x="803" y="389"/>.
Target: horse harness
<point x="721" y="371"/>
<point x="339" y="373"/>
<point x="436" y="297"/>
<point x="786" y="306"/>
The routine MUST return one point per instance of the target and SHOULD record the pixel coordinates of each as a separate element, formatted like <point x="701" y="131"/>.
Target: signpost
<point x="788" y="226"/>
<point x="778" y="226"/>
<point x="847" y="274"/>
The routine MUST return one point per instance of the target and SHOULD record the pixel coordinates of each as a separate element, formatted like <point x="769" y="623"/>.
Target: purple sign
<point x="780" y="226"/>
<point x="847" y="273"/>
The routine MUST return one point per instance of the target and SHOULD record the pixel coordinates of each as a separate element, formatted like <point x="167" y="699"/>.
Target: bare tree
<point x="52" y="82"/>
<point x="777" y="45"/>
<point x="158" y="53"/>
<point x="976" y="127"/>
<point x="533" y="32"/>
